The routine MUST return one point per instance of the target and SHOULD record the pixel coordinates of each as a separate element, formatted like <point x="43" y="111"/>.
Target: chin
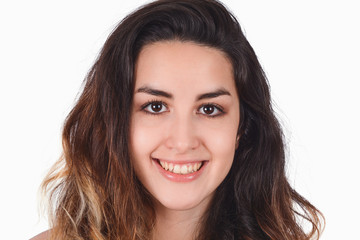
<point x="183" y="202"/>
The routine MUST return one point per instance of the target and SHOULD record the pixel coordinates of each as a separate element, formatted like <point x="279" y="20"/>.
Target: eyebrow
<point x="156" y="92"/>
<point x="214" y="94"/>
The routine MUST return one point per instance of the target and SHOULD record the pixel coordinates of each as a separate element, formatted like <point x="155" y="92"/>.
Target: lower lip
<point x="180" y="177"/>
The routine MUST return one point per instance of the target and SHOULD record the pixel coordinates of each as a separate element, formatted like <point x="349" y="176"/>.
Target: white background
<point x="309" y="50"/>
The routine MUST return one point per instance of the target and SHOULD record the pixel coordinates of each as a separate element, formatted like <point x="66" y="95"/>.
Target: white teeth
<point x="197" y="166"/>
<point x="184" y="169"/>
<point x="180" y="169"/>
<point x="171" y="167"/>
<point x="177" y="169"/>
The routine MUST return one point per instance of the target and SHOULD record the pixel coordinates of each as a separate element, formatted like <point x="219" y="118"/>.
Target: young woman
<point x="174" y="137"/>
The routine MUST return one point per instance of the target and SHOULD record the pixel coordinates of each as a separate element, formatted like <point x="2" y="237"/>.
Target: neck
<point x="177" y="224"/>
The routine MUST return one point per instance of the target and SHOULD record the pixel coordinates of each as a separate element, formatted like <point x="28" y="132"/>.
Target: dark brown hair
<point x="94" y="192"/>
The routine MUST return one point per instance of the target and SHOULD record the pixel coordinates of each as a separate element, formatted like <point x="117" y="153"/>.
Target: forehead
<point x="175" y="64"/>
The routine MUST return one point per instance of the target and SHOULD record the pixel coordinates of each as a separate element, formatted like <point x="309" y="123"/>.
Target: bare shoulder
<point x="42" y="236"/>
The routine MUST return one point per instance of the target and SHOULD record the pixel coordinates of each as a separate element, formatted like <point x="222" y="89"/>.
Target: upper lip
<point x="182" y="161"/>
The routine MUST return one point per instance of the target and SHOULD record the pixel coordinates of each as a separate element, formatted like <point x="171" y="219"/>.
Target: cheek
<point x="140" y="147"/>
<point x="223" y="146"/>
<point x="221" y="137"/>
<point x="221" y="142"/>
<point x="144" y="140"/>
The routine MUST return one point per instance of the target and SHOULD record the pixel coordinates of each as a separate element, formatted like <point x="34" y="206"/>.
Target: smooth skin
<point x="185" y="109"/>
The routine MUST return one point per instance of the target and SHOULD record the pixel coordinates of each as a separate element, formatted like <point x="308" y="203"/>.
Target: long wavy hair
<point x="93" y="190"/>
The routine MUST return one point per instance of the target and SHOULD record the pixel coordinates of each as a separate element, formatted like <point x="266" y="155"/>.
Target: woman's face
<point x="184" y="122"/>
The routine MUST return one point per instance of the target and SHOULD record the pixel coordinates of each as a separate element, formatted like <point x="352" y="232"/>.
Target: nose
<point x="182" y="135"/>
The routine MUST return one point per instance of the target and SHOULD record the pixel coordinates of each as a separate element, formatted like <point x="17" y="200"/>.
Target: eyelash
<point x="148" y="103"/>
<point x="216" y="106"/>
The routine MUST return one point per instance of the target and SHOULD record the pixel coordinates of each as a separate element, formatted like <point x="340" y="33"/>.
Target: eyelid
<point x="148" y="103"/>
<point x="216" y="106"/>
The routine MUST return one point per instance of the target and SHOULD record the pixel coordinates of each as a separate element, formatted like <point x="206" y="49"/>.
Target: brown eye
<point x="155" y="107"/>
<point x="210" y="110"/>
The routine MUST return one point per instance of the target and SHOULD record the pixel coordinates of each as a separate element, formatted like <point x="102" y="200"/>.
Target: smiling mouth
<point x="182" y="169"/>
